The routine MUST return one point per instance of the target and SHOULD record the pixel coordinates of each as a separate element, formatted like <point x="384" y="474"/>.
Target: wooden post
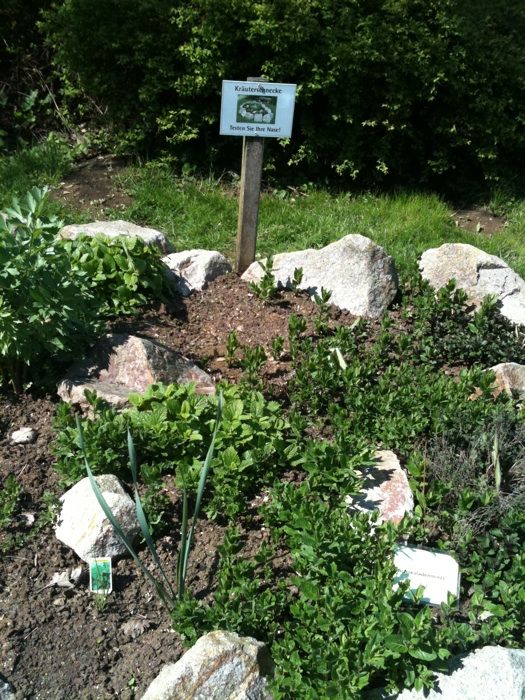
<point x="251" y="173"/>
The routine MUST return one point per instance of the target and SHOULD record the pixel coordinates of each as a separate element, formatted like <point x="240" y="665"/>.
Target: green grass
<point x="43" y="164"/>
<point x="203" y="214"/>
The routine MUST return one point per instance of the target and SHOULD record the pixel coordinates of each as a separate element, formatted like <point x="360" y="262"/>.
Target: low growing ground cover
<point x="309" y="394"/>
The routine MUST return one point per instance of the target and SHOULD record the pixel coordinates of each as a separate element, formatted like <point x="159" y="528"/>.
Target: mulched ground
<point x="60" y="644"/>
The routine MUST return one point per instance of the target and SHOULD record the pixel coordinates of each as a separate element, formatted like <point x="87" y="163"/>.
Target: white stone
<point x="510" y="378"/>
<point x="385" y="489"/>
<point x="478" y="274"/>
<point x="113" y="229"/>
<point x="83" y="526"/>
<point x="194" y="269"/>
<point x="437" y="572"/>
<point x="360" y="275"/>
<point x="23" y="436"/>
<point x="220" y="666"/>
<point x="489" y="673"/>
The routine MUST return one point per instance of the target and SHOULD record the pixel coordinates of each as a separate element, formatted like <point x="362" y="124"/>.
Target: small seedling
<point x="232" y="344"/>
<point x="297" y="279"/>
<point x="323" y="310"/>
<point x="9" y="498"/>
<point x="253" y="360"/>
<point x="296" y="326"/>
<point x="277" y="347"/>
<point x="265" y="289"/>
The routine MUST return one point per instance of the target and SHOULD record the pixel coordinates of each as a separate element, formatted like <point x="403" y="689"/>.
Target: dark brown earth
<point x="63" y="644"/>
<point x="479" y="221"/>
<point x="92" y="187"/>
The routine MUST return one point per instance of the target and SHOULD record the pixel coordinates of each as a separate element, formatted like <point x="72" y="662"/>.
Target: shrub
<point x="326" y="608"/>
<point x="55" y="294"/>
<point x="388" y="91"/>
<point x="45" y="311"/>
<point x="447" y="331"/>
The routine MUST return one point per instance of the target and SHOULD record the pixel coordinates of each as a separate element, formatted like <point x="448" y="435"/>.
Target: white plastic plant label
<point x="436" y="571"/>
<point x="257" y="109"/>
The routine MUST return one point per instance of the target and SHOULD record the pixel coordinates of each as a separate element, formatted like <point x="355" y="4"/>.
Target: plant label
<point x="436" y="571"/>
<point x="100" y="576"/>
<point x="257" y="109"/>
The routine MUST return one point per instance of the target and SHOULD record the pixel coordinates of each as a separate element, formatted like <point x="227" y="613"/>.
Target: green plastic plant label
<point x="257" y="109"/>
<point x="435" y="571"/>
<point x="100" y="576"/>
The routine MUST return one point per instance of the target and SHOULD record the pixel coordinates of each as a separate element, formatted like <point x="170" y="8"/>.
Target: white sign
<point x="436" y="571"/>
<point x="257" y="109"/>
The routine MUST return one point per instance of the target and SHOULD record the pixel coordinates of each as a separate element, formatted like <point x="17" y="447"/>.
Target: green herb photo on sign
<point x="256" y="109"/>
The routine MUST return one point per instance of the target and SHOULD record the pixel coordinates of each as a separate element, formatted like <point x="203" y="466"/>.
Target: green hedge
<point x="412" y="91"/>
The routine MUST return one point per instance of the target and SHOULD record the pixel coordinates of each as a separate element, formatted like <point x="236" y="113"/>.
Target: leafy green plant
<point x="252" y="362"/>
<point x="46" y="312"/>
<point x="121" y="273"/>
<point x="446" y="330"/>
<point x="265" y="288"/>
<point x="296" y="326"/>
<point x="9" y="498"/>
<point x="277" y="347"/>
<point x="171" y="426"/>
<point x="232" y="345"/>
<point x="323" y="310"/>
<point x="297" y="279"/>
<point x="327" y="609"/>
<point x="168" y="594"/>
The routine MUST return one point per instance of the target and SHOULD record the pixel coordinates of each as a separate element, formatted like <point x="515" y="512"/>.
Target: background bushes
<point x="411" y="91"/>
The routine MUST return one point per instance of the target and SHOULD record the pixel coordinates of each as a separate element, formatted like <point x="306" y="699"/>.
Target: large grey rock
<point x="220" y="666"/>
<point x="510" y="378"/>
<point x="385" y="489"/>
<point x="490" y="673"/>
<point x="113" y="229"/>
<point x="360" y="275"/>
<point x="192" y="270"/>
<point x="478" y="273"/>
<point x="83" y="526"/>
<point x="123" y="364"/>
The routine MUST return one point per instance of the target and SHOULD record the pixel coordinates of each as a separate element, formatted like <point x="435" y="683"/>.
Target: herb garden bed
<point x="277" y="555"/>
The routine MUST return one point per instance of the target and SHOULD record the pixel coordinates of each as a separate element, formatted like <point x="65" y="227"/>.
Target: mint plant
<point x="171" y="427"/>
